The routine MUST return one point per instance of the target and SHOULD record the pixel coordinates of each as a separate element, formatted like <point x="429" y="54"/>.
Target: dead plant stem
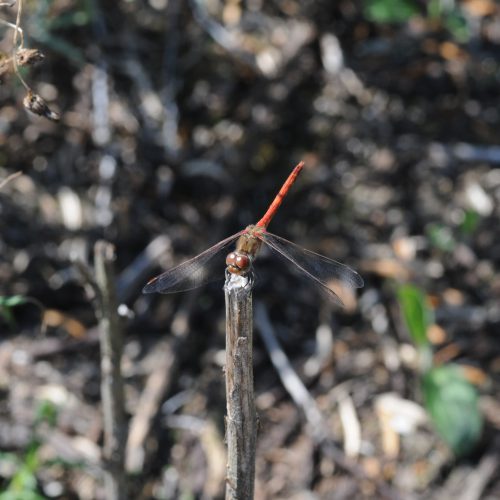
<point x="111" y="336"/>
<point x="14" y="44"/>
<point x="241" y="421"/>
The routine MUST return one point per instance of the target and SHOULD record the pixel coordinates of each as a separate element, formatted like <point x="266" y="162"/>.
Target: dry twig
<point x="241" y="421"/>
<point x="111" y="378"/>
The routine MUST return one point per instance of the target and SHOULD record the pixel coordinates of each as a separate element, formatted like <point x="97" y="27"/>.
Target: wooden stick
<point x="111" y="378"/>
<point x="241" y="421"/>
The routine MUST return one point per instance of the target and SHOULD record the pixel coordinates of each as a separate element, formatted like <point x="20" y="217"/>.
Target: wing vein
<point x="193" y="272"/>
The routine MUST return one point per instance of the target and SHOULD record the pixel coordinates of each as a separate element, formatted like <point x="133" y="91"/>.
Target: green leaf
<point x="24" y="480"/>
<point x="31" y="459"/>
<point x="469" y="222"/>
<point x="23" y="484"/>
<point x="416" y="313"/>
<point x="452" y="403"/>
<point x="22" y="495"/>
<point x="6" y="304"/>
<point x="434" y="9"/>
<point x="46" y="411"/>
<point x="441" y="237"/>
<point x="8" y="317"/>
<point x="457" y="26"/>
<point x="14" y="300"/>
<point x="390" y="11"/>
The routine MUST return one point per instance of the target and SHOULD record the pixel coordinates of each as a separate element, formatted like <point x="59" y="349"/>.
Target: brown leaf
<point x="57" y="319"/>
<point x="387" y="268"/>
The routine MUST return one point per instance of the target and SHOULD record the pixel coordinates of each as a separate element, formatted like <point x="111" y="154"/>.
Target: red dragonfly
<point x="205" y="267"/>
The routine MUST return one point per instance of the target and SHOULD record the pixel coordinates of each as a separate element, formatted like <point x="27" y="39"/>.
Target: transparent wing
<point x="206" y="267"/>
<point x="318" y="268"/>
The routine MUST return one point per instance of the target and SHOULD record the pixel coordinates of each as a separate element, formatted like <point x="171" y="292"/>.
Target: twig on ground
<point x="287" y="374"/>
<point x="129" y="280"/>
<point x="350" y="424"/>
<point x="270" y="51"/>
<point x="241" y="421"/>
<point x="319" y="430"/>
<point x="9" y="178"/>
<point x="54" y="346"/>
<point x="147" y="408"/>
<point x="149" y="106"/>
<point x="111" y="378"/>
<point x="451" y="154"/>
<point x="465" y="152"/>
<point x="101" y="130"/>
<point x="165" y="360"/>
<point x="211" y="442"/>
<point x="73" y="449"/>
<point x="478" y="479"/>
<point x="222" y="36"/>
<point x="101" y="81"/>
<point x="170" y="128"/>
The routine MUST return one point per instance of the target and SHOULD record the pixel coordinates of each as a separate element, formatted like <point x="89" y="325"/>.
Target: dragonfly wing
<point x="318" y="268"/>
<point x="206" y="267"/>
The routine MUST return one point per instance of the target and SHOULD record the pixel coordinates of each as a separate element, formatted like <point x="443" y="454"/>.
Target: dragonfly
<point x="206" y="267"/>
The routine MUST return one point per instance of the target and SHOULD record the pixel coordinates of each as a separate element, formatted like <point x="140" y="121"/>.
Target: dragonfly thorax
<point x="247" y="246"/>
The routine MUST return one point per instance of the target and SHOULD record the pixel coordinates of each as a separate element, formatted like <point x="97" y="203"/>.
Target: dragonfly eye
<point x="243" y="262"/>
<point x="237" y="263"/>
<point x="230" y="259"/>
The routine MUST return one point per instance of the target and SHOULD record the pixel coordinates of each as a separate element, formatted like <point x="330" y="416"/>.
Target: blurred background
<point x="179" y="121"/>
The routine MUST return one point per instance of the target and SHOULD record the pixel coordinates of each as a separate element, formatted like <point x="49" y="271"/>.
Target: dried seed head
<point x="35" y="104"/>
<point x="29" y="57"/>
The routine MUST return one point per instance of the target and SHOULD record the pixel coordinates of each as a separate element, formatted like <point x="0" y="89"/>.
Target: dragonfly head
<point x="238" y="263"/>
